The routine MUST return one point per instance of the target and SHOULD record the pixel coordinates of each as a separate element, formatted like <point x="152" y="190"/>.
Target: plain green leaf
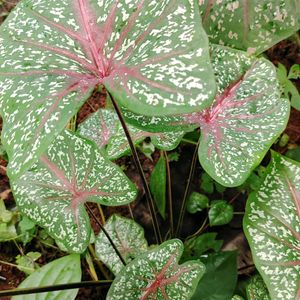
<point x="62" y="270"/>
<point x="207" y="183"/>
<point x="196" y="202"/>
<point x="220" y="213"/>
<point x="158" y="181"/>
<point x="155" y="273"/>
<point x="271" y="224"/>
<point x="219" y="280"/>
<point x="294" y="154"/>
<point x="128" y="237"/>
<point x="26" y="263"/>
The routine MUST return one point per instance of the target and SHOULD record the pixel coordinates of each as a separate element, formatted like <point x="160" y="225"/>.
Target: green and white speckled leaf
<point x="53" y="192"/>
<point x="63" y="270"/>
<point x="99" y="127"/>
<point x="156" y="275"/>
<point x="256" y="289"/>
<point x="253" y="25"/>
<point x="127" y="235"/>
<point x="272" y="227"/>
<point x="245" y="119"/>
<point x="151" y="55"/>
<point x="104" y="128"/>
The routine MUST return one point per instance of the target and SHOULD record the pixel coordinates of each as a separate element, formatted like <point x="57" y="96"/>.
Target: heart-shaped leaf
<point x="151" y="55"/>
<point x="197" y="202"/>
<point x="104" y="128"/>
<point x="63" y="270"/>
<point x="53" y="192"/>
<point x="220" y="213"/>
<point x="253" y="25"/>
<point x="245" y="119"/>
<point x="128" y="237"/>
<point x="271" y="225"/>
<point x="157" y="275"/>
<point x="256" y="289"/>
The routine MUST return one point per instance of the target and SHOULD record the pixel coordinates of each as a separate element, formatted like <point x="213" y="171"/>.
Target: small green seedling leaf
<point x="128" y="237"/>
<point x="26" y="263"/>
<point x="294" y="72"/>
<point x="157" y="275"/>
<point x="256" y="289"/>
<point x="220" y="213"/>
<point x="53" y="192"/>
<point x="158" y="185"/>
<point x="271" y="225"/>
<point x="206" y="183"/>
<point x="63" y="270"/>
<point x="219" y="280"/>
<point x="152" y="56"/>
<point x="252" y="25"/>
<point x="5" y="215"/>
<point x="197" y="246"/>
<point x="237" y="297"/>
<point x="196" y="202"/>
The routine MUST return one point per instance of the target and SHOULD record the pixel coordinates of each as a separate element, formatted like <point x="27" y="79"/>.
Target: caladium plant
<point x="157" y="275"/>
<point x="53" y="192"/>
<point x="104" y="128"/>
<point x="253" y="25"/>
<point x="128" y="237"/>
<point x="244" y="120"/>
<point x="271" y="225"/>
<point x="151" y="55"/>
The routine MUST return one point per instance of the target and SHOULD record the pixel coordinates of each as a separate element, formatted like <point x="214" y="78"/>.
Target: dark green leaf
<point x="220" y="213"/>
<point x="197" y="246"/>
<point x="196" y="202"/>
<point x="158" y="181"/>
<point x="219" y="280"/>
<point x="294" y="154"/>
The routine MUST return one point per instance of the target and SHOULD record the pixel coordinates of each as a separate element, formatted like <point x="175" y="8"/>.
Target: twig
<point x="107" y="235"/>
<point x="187" y="188"/>
<point x="140" y="169"/>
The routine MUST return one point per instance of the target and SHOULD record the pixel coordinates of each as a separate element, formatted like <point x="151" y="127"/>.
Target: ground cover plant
<point x="174" y="76"/>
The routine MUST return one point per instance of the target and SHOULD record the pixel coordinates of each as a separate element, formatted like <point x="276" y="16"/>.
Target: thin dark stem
<point x="187" y="189"/>
<point x="107" y="235"/>
<point x="170" y="199"/>
<point x="51" y="288"/>
<point x="140" y="169"/>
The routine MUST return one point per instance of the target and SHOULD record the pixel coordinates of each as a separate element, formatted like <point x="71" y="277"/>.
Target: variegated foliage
<point x="151" y="55"/>
<point x="157" y="275"/>
<point x="53" y="192"/>
<point x="104" y="128"/>
<point x="256" y="289"/>
<point x="253" y="25"/>
<point x="128" y="237"/>
<point x="244" y="120"/>
<point x="272" y="227"/>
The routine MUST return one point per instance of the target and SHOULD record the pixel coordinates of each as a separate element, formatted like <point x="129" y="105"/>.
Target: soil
<point x="286" y="52"/>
